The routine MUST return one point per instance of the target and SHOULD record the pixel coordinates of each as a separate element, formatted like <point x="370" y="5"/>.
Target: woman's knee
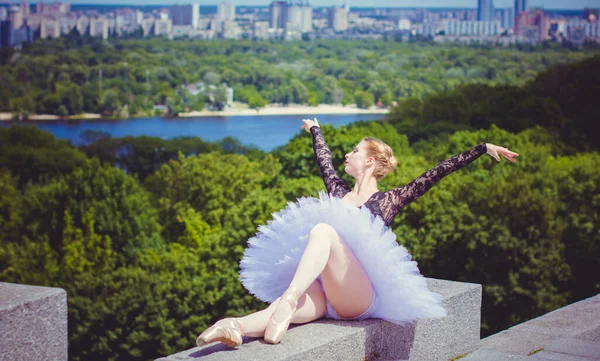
<point x="324" y="230"/>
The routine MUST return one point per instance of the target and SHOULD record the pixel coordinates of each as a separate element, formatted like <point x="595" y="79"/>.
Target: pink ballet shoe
<point x="276" y="329"/>
<point x="228" y="331"/>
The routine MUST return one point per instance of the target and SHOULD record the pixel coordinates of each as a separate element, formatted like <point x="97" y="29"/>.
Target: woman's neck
<point x="365" y="185"/>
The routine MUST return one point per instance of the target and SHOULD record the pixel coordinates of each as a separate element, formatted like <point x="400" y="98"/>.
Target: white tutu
<point x="273" y="255"/>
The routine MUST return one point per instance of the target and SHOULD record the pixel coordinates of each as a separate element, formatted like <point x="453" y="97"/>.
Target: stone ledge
<point x="570" y="333"/>
<point x="33" y="323"/>
<point x="425" y="340"/>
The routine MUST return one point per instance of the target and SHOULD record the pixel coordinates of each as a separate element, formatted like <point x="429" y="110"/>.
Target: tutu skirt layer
<point x="273" y="255"/>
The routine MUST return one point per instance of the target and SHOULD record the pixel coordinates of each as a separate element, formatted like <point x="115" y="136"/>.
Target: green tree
<point x="364" y="99"/>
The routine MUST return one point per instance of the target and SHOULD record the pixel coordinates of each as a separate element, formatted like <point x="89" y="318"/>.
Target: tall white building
<point x="163" y="25"/>
<point x="278" y="12"/>
<point x="231" y="30"/>
<point x="83" y="22"/>
<point x="225" y="12"/>
<point x="99" y="27"/>
<point x="25" y="9"/>
<point x="294" y="18"/>
<point x="338" y="18"/>
<point x="16" y="15"/>
<point x="307" y="18"/>
<point x="261" y="30"/>
<point x="49" y="28"/>
<point x="299" y="17"/>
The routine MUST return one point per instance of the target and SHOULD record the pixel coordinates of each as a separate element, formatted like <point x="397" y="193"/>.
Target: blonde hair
<point x="383" y="154"/>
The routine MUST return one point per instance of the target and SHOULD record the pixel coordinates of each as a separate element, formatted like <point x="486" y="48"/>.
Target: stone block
<point x="33" y="323"/>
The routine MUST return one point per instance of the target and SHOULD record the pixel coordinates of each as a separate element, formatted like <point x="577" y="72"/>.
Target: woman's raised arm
<point x="404" y="195"/>
<point x="334" y="184"/>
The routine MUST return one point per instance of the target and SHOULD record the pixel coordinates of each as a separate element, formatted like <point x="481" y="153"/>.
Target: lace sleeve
<point x="403" y="195"/>
<point x="334" y="184"/>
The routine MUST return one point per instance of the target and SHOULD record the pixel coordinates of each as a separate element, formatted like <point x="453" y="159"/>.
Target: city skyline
<point x="548" y="4"/>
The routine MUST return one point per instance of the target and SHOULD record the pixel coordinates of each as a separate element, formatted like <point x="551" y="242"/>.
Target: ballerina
<point x="335" y="256"/>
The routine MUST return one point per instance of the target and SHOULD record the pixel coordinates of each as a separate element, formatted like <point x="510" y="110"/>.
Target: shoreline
<point x="286" y="110"/>
<point x="231" y="112"/>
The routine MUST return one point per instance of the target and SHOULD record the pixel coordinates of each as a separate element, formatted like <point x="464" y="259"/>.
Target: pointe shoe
<point x="228" y="331"/>
<point x="276" y="329"/>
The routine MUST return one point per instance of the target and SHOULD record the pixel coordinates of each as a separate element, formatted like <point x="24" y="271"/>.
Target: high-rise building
<point x="485" y="10"/>
<point x="49" y="28"/>
<point x="185" y="15"/>
<point x="521" y="22"/>
<point x="3" y="13"/>
<point x="230" y="30"/>
<point x="163" y="26"/>
<point x="6" y="30"/>
<point x="83" y="23"/>
<point x="307" y="18"/>
<point x="25" y="9"/>
<point x="294" y="17"/>
<point x="278" y="14"/>
<point x="99" y="27"/>
<point x="520" y="6"/>
<point x="22" y="35"/>
<point x="542" y="22"/>
<point x="15" y="14"/>
<point x="508" y="18"/>
<point x="225" y="12"/>
<point x="338" y="18"/>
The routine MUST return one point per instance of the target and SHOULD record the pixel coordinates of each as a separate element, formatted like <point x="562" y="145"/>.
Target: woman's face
<point x="357" y="160"/>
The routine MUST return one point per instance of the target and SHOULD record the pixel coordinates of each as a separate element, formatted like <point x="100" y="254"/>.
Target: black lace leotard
<point x="389" y="203"/>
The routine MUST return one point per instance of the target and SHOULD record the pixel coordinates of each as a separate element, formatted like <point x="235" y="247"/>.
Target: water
<point x="266" y="132"/>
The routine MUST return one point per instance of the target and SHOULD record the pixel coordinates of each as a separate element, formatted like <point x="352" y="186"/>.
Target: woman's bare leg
<point x="311" y="306"/>
<point x="346" y="284"/>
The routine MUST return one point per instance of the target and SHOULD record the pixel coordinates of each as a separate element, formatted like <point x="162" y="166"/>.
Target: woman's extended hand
<point x="495" y="151"/>
<point x="309" y="123"/>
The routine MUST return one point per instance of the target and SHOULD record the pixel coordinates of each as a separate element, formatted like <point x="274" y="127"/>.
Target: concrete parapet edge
<point x="425" y="340"/>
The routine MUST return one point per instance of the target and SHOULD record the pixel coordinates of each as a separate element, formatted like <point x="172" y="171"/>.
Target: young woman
<point x="335" y="256"/>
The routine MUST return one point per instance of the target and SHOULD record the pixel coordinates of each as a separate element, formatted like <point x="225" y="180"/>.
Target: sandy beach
<point x="8" y="116"/>
<point x="237" y="110"/>
<point x="287" y="110"/>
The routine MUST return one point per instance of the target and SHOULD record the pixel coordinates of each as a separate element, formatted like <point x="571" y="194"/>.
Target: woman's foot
<point x="281" y="318"/>
<point x="228" y="331"/>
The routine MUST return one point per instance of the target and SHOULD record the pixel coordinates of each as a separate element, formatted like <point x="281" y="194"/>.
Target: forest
<point x="146" y="234"/>
<point x="127" y="77"/>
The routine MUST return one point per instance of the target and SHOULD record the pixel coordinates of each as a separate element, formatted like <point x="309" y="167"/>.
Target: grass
<point x="458" y="357"/>
<point x="534" y="351"/>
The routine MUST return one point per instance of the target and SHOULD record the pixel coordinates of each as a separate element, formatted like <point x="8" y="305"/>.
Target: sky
<point x="548" y="4"/>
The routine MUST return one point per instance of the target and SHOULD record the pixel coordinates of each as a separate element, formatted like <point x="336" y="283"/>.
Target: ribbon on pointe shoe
<point x="277" y="329"/>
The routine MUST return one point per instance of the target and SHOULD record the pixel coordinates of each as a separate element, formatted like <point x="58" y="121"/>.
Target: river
<point x="266" y="132"/>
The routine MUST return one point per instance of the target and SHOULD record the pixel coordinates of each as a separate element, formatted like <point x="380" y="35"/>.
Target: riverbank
<point x="287" y="110"/>
<point x="6" y="117"/>
<point x="237" y="110"/>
